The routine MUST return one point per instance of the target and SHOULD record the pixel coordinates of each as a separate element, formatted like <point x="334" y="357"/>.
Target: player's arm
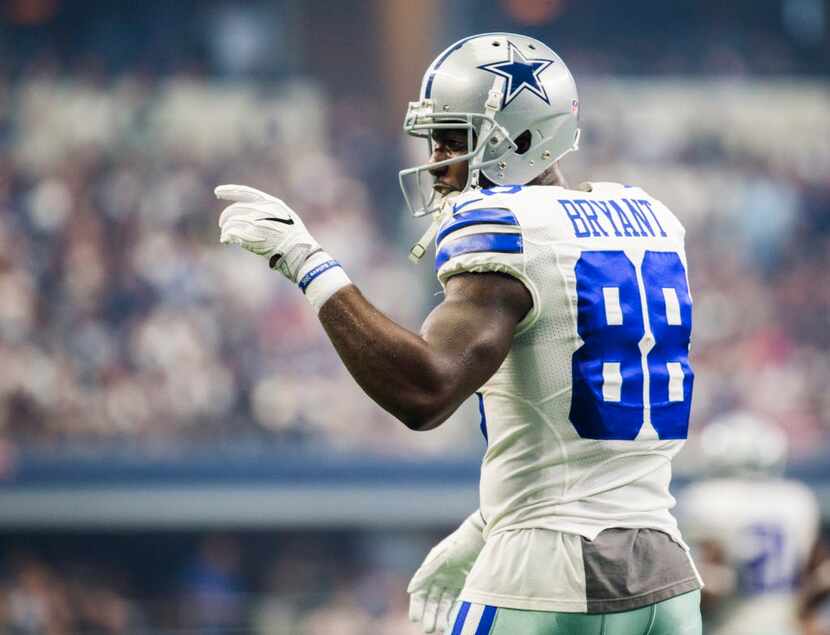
<point x="421" y="379"/>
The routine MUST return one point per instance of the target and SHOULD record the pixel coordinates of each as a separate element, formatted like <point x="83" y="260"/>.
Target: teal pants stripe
<point x="679" y="615"/>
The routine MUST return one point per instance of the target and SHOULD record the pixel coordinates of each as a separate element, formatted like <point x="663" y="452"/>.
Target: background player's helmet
<point x="742" y="443"/>
<point x="515" y="97"/>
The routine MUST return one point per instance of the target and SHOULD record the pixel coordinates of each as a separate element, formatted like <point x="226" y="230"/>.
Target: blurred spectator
<point x="212" y="588"/>
<point x="37" y="599"/>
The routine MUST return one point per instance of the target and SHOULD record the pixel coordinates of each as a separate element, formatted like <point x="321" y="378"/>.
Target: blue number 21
<point x="615" y="386"/>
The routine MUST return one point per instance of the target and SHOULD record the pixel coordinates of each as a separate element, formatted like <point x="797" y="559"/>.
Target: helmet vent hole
<point x="496" y="43"/>
<point x="531" y="47"/>
<point x="523" y="142"/>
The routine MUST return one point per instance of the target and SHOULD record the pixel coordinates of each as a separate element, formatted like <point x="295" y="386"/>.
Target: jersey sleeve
<point x="485" y="239"/>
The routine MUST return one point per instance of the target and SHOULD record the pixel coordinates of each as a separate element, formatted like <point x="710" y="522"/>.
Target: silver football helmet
<point x="743" y="444"/>
<point x="516" y="99"/>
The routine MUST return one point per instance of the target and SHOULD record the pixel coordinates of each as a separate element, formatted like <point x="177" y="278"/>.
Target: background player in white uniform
<point x="752" y="531"/>
<point x="568" y="311"/>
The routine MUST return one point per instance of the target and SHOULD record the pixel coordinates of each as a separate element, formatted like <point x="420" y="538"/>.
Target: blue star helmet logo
<point x="521" y="73"/>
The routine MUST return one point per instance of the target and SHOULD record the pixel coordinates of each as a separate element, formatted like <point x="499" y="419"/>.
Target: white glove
<point x="437" y="583"/>
<point x="266" y="226"/>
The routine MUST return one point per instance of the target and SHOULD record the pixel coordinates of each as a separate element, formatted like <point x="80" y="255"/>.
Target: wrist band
<point x="308" y="278"/>
<point x="321" y="278"/>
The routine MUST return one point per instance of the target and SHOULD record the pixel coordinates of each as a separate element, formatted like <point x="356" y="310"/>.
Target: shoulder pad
<point x="478" y="229"/>
<point x="465" y="217"/>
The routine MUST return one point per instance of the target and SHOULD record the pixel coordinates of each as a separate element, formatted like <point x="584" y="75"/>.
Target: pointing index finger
<point x="241" y="194"/>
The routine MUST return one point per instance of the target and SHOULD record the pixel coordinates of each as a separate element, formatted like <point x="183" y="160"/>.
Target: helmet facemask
<point x="484" y="133"/>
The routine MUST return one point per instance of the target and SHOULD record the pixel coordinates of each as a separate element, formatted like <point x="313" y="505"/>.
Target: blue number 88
<point x="633" y="364"/>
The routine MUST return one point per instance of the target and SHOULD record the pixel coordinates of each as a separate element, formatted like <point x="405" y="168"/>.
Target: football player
<point x="567" y="311"/>
<point x="752" y="531"/>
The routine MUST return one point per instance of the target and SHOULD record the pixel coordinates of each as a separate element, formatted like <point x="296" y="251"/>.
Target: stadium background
<point x="180" y="450"/>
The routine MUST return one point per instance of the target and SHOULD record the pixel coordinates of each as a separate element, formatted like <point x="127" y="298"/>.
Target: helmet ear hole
<point x="523" y="142"/>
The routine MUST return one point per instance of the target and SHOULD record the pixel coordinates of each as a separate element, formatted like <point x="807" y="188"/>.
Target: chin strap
<point x="491" y="107"/>
<point x="420" y="248"/>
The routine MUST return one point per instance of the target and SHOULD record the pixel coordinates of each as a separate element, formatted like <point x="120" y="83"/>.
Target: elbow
<point x="427" y="403"/>
<point x="420" y="423"/>
<point x="424" y="413"/>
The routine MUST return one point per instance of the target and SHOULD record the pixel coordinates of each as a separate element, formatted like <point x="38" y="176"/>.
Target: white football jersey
<point x="592" y="402"/>
<point x="766" y="530"/>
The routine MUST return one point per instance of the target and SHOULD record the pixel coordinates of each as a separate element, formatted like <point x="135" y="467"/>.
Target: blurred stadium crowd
<point x="130" y="320"/>
<point x="122" y="318"/>
<point x="125" y="326"/>
<point x="218" y="585"/>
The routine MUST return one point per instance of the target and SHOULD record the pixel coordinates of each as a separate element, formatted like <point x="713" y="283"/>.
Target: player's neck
<point x="552" y="176"/>
<point x="558" y="177"/>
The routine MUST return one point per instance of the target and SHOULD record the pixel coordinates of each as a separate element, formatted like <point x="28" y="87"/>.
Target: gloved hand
<point x="437" y="583"/>
<point x="266" y="226"/>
